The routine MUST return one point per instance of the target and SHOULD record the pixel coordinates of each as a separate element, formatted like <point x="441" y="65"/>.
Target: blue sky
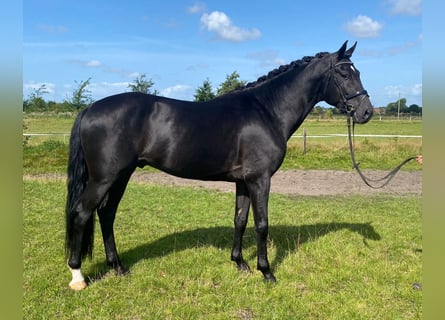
<point x="178" y="44"/>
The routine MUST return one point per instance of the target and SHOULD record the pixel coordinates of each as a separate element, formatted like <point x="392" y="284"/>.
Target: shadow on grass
<point x="286" y="239"/>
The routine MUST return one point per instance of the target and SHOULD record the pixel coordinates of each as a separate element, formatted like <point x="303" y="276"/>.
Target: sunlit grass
<point x="333" y="153"/>
<point x="330" y="153"/>
<point x="334" y="258"/>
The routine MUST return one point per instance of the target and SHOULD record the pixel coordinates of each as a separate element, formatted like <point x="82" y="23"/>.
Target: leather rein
<point x="349" y="109"/>
<point x="370" y="182"/>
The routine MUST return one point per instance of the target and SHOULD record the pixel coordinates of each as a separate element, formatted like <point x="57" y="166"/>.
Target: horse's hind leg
<point x="240" y="221"/>
<point x="83" y="230"/>
<point x="107" y="214"/>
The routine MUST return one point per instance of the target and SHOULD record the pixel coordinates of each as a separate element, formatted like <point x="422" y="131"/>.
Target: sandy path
<point x="295" y="182"/>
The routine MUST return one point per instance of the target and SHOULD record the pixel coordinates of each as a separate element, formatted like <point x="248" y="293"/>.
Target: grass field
<point x="353" y="257"/>
<point x="343" y="257"/>
<point x="49" y="154"/>
<point x="62" y="124"/>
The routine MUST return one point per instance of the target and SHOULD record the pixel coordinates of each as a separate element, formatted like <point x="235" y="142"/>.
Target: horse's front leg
<point x="259" y="194"/>
<point x="240" y="221"/>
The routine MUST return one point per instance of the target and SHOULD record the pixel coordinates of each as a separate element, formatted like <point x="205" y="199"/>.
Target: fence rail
<point x="46" y="134"/>
<point x="327" y="135"/>
<point x="332" y="135"/>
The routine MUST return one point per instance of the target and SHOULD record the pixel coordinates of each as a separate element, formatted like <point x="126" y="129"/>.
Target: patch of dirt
<point x="305" y="182"/>
<point x="291" y="182"/>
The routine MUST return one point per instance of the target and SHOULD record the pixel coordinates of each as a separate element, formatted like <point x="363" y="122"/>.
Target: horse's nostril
<point x="367" y="114"/>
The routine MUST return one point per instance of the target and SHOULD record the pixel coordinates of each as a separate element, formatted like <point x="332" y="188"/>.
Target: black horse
<point x="239" y="137"/>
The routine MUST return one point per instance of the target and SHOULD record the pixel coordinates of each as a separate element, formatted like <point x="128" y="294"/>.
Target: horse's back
<point x="209" y="141"/>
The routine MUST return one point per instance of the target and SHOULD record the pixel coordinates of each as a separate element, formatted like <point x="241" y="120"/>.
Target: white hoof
<point x="77" y="286"/>
<point x="78" y="281"/>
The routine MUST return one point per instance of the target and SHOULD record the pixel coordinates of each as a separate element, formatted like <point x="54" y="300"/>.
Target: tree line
<point x="81" y="97"/>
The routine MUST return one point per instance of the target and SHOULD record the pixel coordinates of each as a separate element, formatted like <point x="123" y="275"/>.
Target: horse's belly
<point x="194" y="164"/>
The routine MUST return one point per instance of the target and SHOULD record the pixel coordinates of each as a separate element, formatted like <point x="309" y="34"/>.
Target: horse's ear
<point x="348" y="53"/>
<point x="342" y="50"/>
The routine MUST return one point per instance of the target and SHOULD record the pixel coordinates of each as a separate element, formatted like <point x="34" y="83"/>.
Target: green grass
<point x="350" y="257"/>
<point x="48" y="123"/>
<point x="49" y="154"/>
<point x="334" y="154"/>
<point x="375" y="126"/>
<point x="55" y="124"/>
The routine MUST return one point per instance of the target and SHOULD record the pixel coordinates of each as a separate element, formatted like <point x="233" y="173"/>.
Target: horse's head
<point x="344" y="88"/>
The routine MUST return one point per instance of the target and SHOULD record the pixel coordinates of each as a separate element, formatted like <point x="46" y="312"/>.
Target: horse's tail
<point x="76" y="184"/>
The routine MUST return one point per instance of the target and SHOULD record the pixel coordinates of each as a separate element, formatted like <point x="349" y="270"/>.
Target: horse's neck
<point x="293" y="99"/>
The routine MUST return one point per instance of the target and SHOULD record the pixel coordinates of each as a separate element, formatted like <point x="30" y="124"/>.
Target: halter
<point x="346" y="107"/>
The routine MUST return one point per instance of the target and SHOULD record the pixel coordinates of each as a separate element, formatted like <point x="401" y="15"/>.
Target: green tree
<point x="395" y="107"/>
<point x="415" y="109"/>
<point x="231" y="83"/>
<point x="205" y="92"/>
<point x="318" y="111"/>
<point x="329" y="113"/>
<point x="141" y="84"/>
<point x="35" y="101"/>
<point x="81" y="97"/>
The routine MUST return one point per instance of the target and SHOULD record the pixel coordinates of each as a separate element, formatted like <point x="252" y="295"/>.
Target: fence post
<point x="304" y="140"/>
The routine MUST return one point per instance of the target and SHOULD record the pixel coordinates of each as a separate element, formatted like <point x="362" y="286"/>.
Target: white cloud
<point x="103" y="89"/>
<point x="32" y="86"/>
<point x="179" y="91"/>
<point x="363" y="27"/>
<point x="406" y="7"/>
<point x="86" y="63"/>
<point x="395" y="91"/>
<point x="93" y="63"/>
<point x="221" y="24"/>
<point x="198" y="7"/>
<point x="416" y="89"/>
<point x="134" y="75"/>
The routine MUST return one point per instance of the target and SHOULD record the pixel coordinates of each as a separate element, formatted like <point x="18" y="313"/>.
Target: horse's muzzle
<point x="362" y="116"/>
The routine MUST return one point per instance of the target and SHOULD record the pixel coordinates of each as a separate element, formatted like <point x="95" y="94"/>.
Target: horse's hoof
<point x="244" y="267"/>
<point x="77" y="286"/>
<point x="270" y="278"/>
<point x="122" y="271"/>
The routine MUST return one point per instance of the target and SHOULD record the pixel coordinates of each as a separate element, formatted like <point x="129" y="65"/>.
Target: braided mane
<point x="281" y="69"/>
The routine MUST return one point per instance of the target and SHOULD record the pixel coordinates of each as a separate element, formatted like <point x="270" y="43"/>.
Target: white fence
<point x="64" y="134"/>
<point x="332" y="135"/>
<point x="327" y="135"/>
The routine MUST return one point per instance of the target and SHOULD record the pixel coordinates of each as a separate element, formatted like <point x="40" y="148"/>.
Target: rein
<point x="349" y="109"/>
<point x="386" y="179"/>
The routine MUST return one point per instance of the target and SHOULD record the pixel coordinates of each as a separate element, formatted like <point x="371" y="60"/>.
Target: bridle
<point x="346" y="107"/>
<point x="349" y="109"/>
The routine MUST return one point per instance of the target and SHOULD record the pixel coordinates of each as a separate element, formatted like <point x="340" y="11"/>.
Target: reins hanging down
<point x="386" y="179"/>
